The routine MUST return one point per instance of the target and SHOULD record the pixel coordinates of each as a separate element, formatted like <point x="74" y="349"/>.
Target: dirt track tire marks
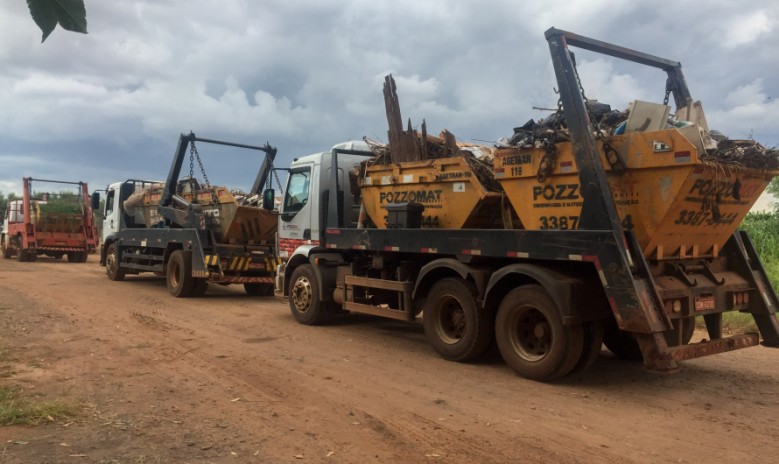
<point x="200" y="379"/>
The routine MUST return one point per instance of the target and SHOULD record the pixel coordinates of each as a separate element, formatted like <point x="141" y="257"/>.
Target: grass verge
<point x="14" y="409"/>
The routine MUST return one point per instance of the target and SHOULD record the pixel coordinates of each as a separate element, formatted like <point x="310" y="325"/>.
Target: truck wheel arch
<point x="325" y="276"/>
<point x="104" y="248"/>
<point x="573" y="295"/>
<point x="447" y="267"/>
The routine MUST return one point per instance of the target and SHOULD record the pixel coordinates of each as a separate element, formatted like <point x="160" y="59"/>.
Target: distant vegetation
<point x="62" y="202"/>
<point x="4" y="199"/>
<point x="763" y="230"/>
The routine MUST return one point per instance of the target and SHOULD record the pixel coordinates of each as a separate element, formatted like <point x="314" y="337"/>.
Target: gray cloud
<point x="305" y="75"/>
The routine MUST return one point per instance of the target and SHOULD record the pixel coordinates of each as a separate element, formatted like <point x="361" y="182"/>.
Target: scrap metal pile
<point x="712" y="145"/>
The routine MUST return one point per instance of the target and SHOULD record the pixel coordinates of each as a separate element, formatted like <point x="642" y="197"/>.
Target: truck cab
<point x="113" y="217"/>
<point x="306" y="199"/>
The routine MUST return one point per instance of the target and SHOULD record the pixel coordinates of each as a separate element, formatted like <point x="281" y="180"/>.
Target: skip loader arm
<point x="179" y="211"/>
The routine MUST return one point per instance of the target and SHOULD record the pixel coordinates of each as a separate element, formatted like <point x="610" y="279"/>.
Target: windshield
<point x="297" y="191"/>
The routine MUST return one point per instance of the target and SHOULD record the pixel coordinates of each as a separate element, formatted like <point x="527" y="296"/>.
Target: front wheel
<point x="454" y="324"/>
<point x="304" y="301"/>
<point x="112" y="268"/>
<point x="179" y="274"/>
<point x="531" y="336"/>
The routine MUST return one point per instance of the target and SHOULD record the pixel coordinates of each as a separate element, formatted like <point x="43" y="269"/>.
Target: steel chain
<point x="191" y="163"/>
<point x="193" y="150"/>
<point x="550" y="155"/>
<point x="278" y="182"/>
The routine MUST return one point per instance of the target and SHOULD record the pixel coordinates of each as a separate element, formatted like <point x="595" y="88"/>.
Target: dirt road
<point x="232" y="378"/>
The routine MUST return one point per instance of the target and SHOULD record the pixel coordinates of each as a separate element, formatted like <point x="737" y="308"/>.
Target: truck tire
<point x="593" y="344"/>
<point x="531" y="336"/>
<point x="199" y="288"/>
<point x="454" y="324"/>
<point x="258" y="289"/>
<point x="21" y="253"/>
<point x="76" y="257"/>
<point x="112" y="268"/>
<point x="8" y="252"/>
<point x="687" y="331"/>
<point x="304" y="301"/>
<point x="623" y="344"/>
<point x="179" y="274"/>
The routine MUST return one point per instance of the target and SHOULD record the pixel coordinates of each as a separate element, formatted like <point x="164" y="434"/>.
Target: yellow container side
<point x="677" y="205"/>
<point x="450" y="191"/>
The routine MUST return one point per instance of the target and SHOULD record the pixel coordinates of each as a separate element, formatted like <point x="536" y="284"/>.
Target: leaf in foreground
<point x="71" y="15"/>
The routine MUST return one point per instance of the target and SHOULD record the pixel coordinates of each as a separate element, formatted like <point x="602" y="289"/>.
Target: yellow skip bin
<point x="676" y="204"/>
<point x="450" y="191"/>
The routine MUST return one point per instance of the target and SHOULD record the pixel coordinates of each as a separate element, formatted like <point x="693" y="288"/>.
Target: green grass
<point x="763" y="230"/>
<point x="735" y="322"/>
<point x="14" y="409"/>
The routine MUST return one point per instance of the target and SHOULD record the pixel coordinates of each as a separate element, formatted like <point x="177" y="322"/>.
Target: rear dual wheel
<point x="534" y="342"/>
<point x="455" y="325"/>
<point x="623" y="344"/>
<point x="77" y="257"/>
<point x="179" y="278"/>
<point x="258" y="289"/>
<point x="23" y="255"/>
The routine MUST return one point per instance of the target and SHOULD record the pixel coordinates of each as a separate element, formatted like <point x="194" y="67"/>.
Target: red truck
<point x="50" y="224"/>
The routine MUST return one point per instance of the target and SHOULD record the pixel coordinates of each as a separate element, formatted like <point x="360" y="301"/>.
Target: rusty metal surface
<point x="710" y="347"/>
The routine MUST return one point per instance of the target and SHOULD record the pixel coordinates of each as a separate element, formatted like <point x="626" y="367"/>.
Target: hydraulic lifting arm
<point x="186" y="214"/>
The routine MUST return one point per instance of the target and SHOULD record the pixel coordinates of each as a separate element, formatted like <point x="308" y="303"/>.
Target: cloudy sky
<point x="307" y="74"/>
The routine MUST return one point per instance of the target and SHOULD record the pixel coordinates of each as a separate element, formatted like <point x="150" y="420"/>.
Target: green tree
<point x="773" y="189"/>
<point x="4" y="199"/>
<point x="71" y="15"/>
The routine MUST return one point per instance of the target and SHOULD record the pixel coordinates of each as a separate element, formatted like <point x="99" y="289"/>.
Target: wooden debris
<point x="403" y="143"/>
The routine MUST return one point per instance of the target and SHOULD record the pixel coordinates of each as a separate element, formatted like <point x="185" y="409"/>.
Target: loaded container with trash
<point x="53" y="224"/>
<point x="681" y="197"/>
<point x="615" y="227"/>
<point x="190" y="231"/>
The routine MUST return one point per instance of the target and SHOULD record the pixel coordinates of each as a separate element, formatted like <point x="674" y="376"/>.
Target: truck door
<point x="111" y="213"/>
<point x="297" y="223"/>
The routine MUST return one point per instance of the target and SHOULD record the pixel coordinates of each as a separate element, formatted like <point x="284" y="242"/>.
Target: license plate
<point x="704" y="303"/>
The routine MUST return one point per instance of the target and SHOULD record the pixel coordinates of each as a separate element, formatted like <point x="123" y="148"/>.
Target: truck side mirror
<point x="95" y="201"/>
<point x="268" y="199"/>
